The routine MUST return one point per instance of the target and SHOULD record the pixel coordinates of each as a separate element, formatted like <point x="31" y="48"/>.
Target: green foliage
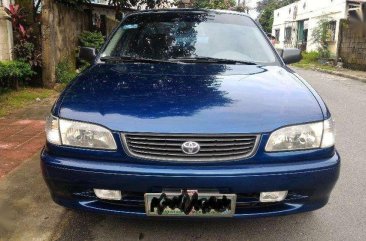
<point x="266" y="9"/>
<point x="321" y="35"/>
<point x="214" y="4"/>
<point x="91" y="39"/>
<point x="23" y="50"/>
<point x="241" y="8"/>
<point x="14" y="72"/>
<point x="65" y="72"/>
<point x="76" y="4"/>
<point x="310" y="57"/>
<point x="312" y="60"/>
<point x="118" y="3"/>
<point x="84" y="66"/>
<point x="150" y="4"/>
<point x="26" y="51"/>
<point x="27" y="41"/>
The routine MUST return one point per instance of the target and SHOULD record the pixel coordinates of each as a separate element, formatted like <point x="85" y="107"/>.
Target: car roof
<point x="189" y="10"/>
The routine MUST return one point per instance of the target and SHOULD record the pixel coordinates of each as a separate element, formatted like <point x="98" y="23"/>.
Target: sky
<point x="252" y="4"/>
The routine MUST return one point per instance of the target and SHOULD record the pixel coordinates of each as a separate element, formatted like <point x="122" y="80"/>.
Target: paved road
<point x="344" y="218"/>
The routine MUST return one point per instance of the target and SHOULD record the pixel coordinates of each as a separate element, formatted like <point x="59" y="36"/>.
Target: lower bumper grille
<point x="244" y="202"/>
<point x="169" y="146"/>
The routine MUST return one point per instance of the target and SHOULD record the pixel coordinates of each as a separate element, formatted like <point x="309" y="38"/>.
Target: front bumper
<point x="71" y="182"/>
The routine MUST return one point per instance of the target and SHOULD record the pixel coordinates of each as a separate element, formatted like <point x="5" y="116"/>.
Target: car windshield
<point x="190" y="36"/>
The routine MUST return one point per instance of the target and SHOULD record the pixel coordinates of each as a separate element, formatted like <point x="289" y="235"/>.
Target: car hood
<point x="188" y="98"/>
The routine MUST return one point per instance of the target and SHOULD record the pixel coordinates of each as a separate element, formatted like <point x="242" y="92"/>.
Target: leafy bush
<point x="65" y="72"/>
<point x="321" y="35"/>
<point x="91" y="39"/>
<point x="25" y="51"/>
<point x="214" y="4"/>
<point x="12" y="73"/>
<point x="27" y="38"/>
<point x="310" y="57"/>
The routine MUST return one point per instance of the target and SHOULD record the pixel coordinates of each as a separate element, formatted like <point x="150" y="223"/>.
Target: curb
<point x="340" y="74"/>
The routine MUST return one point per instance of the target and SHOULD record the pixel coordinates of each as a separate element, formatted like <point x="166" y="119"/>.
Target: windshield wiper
<point x="212" y="60"/>
<point x="133" y="59"/>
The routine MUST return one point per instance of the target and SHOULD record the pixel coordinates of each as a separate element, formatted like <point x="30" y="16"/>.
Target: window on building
<point x="332" y="25"/>
<point x="288" y="31"/>
<point x="277" y="35"/>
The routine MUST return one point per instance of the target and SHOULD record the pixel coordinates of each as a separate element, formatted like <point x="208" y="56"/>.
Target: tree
<point x="266" y="10"/>
<point x="118" y="4"/>
<point x="214" y="4"/>
<point x="321" y="35"/>
<point x="150" y="4"/>
<point x="242" y="7"/>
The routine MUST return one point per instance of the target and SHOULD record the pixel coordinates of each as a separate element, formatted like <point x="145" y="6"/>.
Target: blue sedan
<point x="190" y="113"/>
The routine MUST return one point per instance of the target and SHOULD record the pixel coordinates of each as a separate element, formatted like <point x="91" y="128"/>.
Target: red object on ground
<point x="19" y="140"/>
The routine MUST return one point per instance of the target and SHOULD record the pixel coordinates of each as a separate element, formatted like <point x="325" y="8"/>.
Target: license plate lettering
<point x="190" y="203"/>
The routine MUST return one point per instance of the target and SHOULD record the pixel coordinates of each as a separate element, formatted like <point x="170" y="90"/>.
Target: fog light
<point x="108" y="194"/>
<point x="269" y="197"/>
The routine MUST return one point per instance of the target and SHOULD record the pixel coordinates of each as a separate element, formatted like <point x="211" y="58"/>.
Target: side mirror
<point x="87" y="54"/>
<point x="290" y="55"/>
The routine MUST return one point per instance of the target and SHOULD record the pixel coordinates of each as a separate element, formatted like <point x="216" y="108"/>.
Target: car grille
<point x="168" y="147"/>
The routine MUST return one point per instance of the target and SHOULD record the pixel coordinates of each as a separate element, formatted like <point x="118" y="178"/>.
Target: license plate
<point x="190" y="203"/>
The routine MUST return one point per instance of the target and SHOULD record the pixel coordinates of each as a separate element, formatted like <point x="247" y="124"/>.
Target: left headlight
<point x="78" y="134"/>
<point x="302" y="137"/>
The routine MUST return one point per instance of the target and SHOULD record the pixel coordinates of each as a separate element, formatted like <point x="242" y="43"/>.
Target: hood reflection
<point x="120" y="89"/>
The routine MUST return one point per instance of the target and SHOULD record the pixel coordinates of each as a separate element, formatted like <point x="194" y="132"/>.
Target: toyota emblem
<point x="190" y="147"/>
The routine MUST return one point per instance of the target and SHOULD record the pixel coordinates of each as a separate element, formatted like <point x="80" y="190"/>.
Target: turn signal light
<point x="108" y="194"/>
<point x="269" y="197"/>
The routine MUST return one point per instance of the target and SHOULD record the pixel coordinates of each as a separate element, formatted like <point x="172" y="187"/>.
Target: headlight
<point x="302" y="137"/>
<point x="79" y="134"/>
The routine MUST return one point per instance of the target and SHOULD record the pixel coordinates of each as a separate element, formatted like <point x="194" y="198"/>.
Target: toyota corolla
<point x="190" y="113"/>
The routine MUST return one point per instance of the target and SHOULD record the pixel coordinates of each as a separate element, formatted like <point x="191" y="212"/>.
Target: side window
<point x="288" y="32"/>
<point x="332" y="30"/>
<point x="277" y="35"/>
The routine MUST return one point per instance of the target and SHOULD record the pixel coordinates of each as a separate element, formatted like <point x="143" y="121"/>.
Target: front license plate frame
<point x="168" y="212"/>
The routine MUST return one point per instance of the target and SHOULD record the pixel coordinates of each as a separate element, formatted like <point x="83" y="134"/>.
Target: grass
<point x="310" y="61"/>
<point x="314" y="65"/>
<point x="11" y="100"/>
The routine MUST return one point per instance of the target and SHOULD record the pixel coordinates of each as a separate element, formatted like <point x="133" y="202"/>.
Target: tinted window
<point x="177" y="35"/>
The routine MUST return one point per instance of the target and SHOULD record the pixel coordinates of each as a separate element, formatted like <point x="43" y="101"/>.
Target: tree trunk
<point x="48" y="45"/>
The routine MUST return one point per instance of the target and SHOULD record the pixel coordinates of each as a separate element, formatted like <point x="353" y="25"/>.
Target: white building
<point x="294" y="24"/>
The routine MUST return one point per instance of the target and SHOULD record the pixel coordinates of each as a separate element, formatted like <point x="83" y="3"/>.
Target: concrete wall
<point x="108" y="12"/>
<point x="311" y="11"/>
<point x="352" y="48"/>
<point x="111" y="24"/>
<point x="61" y="27"/>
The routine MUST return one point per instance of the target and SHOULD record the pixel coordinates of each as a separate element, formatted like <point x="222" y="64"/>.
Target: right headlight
<point x="78" y="134"/>
<point x="302" y="137"/>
